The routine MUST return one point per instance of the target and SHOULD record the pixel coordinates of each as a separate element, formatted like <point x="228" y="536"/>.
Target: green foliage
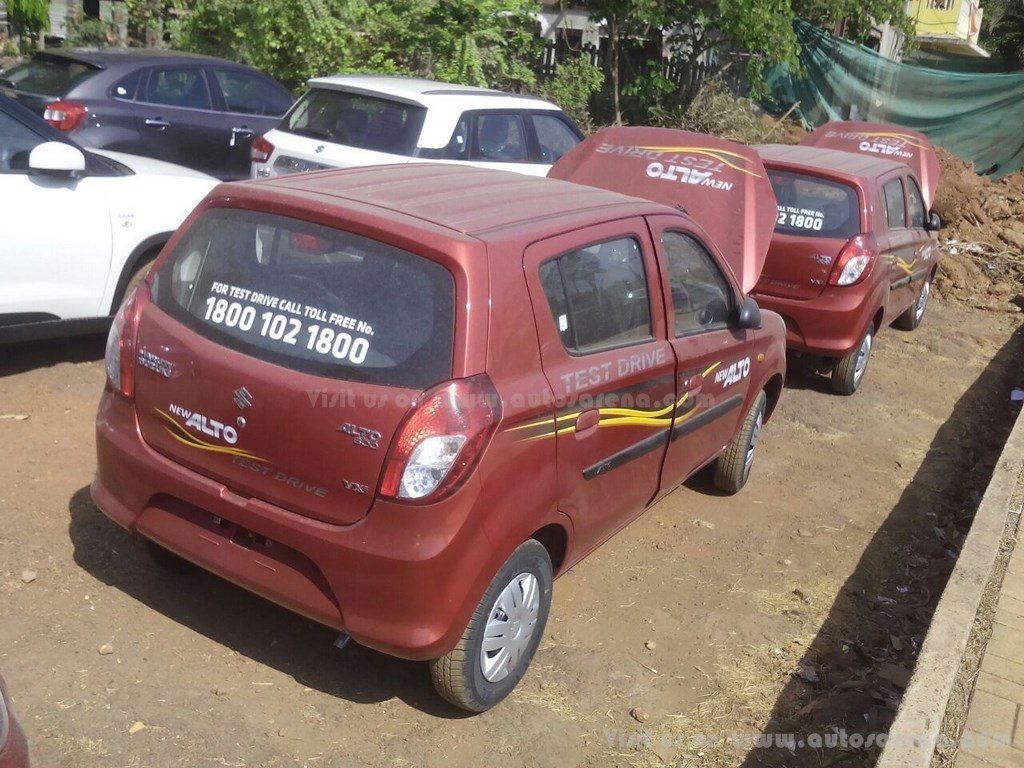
<point x="715" y="110"/>
<point x="150" y="21"/>
<point x="29" y="17"/>
<point x="1002" y="30"/>
<point x="85" y="32"/>
<point x="9" y="49"/>
<point x="575" y="81"/>
<point x="856" y="16"/>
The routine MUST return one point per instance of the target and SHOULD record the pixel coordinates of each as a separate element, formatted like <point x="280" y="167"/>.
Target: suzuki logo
<point x="319" y="148"/>
<point x="243" y="398"/>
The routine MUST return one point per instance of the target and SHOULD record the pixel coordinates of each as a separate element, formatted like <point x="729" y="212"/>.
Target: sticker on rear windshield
<point x="256" y="314"/>
<point x="800" y="218"/>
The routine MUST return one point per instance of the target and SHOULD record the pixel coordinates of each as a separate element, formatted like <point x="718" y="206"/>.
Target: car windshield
<point x="312" y="298"/>
<point x="48" y="76"/>
<point x="356" y="120"/>
<point x="814" y="207"/>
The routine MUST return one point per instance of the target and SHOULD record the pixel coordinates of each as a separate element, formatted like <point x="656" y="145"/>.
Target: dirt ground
<point x="794" y="607"/>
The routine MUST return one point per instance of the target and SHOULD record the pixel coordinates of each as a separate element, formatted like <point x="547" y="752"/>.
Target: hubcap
<point x="922" y="300"/>
<point x="510" y="625"/>
<point x="862" y="359"/>
<point x="754" y="434"/>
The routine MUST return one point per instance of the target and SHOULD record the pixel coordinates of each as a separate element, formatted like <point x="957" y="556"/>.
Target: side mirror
<point x="933" y="222"/>
<point x="56" y="158"/>
<point x="748" y="315"/>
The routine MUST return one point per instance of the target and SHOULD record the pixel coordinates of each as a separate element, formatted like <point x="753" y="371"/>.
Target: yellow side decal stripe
<point x="187" y="438"/>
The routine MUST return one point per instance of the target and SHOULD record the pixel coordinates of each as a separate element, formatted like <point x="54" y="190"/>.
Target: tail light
<point x="122" y="342"/>
<point x="261" y="150"/>
<point x="65" y="115"/>
<point x="441" y="440"/>
<point x="854" y="261"/>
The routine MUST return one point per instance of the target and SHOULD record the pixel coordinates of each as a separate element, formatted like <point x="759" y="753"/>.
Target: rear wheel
<point x="169" y="561"/>
<point x="849" y="371"/>
<point x="912" y="318"/>
<point x="733" y="467"/>
<point x="137" y="277"/>
<point x="493" y="653"/>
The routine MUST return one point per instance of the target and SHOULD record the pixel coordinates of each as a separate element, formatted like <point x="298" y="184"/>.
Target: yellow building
<point x="948" y="26"/>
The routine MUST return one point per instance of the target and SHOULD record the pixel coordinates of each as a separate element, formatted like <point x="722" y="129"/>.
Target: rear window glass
<point x="48" y="77"/>
<point x="364" y="122"/>
<point x="814" y="207"/>
<point x="312" y="298"/>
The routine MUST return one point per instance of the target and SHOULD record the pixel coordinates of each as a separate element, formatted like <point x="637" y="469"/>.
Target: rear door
<point x="925" y="249"/>
<point x="600" y="322"/>
<point x="280" y="357"/>
<point x="502" y="141"/>
<point x="901" y="252"/>
<point x="712" y="358"/>
<point x="815" y="218"/>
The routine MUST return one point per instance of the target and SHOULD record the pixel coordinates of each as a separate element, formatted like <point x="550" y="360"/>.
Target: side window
<point x="127" y="86"/>
<point x="554" y="136"/>
<point x="916" y="203"/>
<point x="598" y="295"/>
<point x="16" y="143"/>
<point x="700" y="294"/>
<point x="178" y="87"/>
<point x="500" y="138"/>
<point x="895" y="210"/>
<point x="245" y="92"/>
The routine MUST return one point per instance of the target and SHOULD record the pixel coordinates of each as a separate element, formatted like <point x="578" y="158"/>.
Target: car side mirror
<point x="748" y="315"/>
<point x="934" y="222"/>
<point x="56" y="158"/>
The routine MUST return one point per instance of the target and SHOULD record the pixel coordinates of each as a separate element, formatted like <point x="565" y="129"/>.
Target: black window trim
<point x="733" y="292"/>
<point x="647" y="285"/>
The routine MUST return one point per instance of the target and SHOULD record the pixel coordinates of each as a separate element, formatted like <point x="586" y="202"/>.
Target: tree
<point x="1002" y="30"/>
<point x="624" y="20"/>
<point x="30" y="18"/>
<point x="855" y="18"/>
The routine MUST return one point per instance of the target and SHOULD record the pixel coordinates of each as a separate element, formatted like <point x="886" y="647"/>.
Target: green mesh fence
<point x="977" y="116"/>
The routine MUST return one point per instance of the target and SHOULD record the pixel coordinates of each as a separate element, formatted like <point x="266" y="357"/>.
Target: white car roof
<point x="445" y="102"/>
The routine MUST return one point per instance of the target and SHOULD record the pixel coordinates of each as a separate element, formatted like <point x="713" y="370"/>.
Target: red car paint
<point x="885" y="141"/>
<point x="13" y="750"/>
<point x="289" y="504"/>
<point x="797" y="281"/>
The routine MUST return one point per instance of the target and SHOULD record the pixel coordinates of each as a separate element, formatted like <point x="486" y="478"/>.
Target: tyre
<point x="168" y="561"/>
<point x="503" y="634"/>
<point x="733" y="467"/>
<point x="133" y="282"/>
<point x="910" y="319"/>
<point x="849" y="371"/>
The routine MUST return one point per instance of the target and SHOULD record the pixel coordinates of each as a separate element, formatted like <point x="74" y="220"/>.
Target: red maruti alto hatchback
<point x="400" y="400"/>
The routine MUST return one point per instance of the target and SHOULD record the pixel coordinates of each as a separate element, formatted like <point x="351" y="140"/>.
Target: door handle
<point x="245" y="133"/>
<point x="693" y="385"/>
<point x="586" y="423"/>
<point x="157" y="122"/>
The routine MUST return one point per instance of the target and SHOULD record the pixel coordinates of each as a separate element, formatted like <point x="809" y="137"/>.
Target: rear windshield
<point x="48" y="76"/>
<point x="365" y="122"/>
<point x="814" y="207"/>
<point x="312" y="298"/>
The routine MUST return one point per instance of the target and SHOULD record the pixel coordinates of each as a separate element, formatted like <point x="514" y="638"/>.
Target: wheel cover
<point x="509" y="629"/>
<point x="922" y="300"/>
<point x="862" y="359"/>
<point x="755" y="433"/>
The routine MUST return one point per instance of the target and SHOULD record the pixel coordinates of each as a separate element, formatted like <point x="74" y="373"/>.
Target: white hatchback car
<point x="80" y="228"/>
<point x="356" y="120"/>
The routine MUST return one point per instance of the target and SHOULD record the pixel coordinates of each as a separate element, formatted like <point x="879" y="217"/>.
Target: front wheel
<point x="849" y="371"/>
<point x="503" y="634"/>
<point x="914" y="314"/>
<point x="733" y="467"/>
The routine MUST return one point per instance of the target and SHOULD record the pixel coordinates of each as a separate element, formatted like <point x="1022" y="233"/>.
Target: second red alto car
<point x="401" y="400"/>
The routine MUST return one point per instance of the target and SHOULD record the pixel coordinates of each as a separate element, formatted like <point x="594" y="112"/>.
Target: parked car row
<point x="460" y="328"/>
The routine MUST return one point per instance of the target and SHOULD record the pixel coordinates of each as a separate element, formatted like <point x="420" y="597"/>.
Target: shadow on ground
<point x="249" y="625"/>
<point x="28" y="355"/>
<point x="854" y="672"/>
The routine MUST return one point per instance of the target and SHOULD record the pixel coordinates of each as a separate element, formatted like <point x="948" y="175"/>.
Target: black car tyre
<point x="849" y="371"/>
<point x="912" y="318"/>
<point x="733" y="467"/>
<point x="494" y="652"/>
<point x="135" y="280"/>
<point x="168" y="561"/>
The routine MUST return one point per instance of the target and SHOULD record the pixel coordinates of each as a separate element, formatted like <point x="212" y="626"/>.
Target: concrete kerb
<point x="918" y="723"/>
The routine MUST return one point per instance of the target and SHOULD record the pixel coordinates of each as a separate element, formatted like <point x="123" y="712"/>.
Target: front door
<point x="601" y="327"/>
<point x="713" y="363"/>
<point x="901" y="249"/>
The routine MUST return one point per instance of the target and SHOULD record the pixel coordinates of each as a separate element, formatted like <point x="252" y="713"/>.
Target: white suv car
<point x="355" y="120"/>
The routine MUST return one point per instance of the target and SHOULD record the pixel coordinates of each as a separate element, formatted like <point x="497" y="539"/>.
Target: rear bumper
<point x="831" y="324"/>
<point x="404" y="580"/>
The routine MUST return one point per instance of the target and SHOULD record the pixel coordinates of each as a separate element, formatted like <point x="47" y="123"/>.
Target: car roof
<point x="833" y="162"/>
<point x="105" y="57"/>
<point x="471" y="201"/>
<point x="426" y="92"/>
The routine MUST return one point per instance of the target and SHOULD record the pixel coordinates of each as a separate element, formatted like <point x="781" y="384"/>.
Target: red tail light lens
<point x="261" y="150"/>
<point x="854" y="261"/>
<point x="65" y="115"/>
<point x="122" y="343"/>
<point x="441" y="440"/>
